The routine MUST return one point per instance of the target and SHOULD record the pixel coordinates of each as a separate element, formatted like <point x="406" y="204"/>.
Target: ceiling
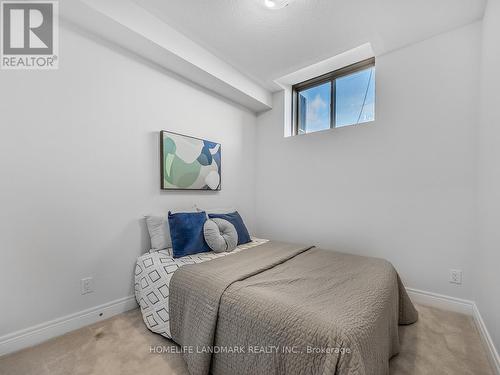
<point x="267" y="44"/>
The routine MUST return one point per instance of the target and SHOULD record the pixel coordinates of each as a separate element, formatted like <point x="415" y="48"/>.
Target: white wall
<point x="403" y="187"/>
<point x="79" y="166"/>
<point x="489" y="174"/>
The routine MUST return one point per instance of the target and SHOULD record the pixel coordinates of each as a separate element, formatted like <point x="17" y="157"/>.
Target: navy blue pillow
<point x="186" y="230"/>
<point x="235" y="219"/>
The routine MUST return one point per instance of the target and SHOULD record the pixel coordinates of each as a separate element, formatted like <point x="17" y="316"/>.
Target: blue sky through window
<point x="314" y="108"/>
<point x="355" y="98"/>
<point x="354" y="102"/>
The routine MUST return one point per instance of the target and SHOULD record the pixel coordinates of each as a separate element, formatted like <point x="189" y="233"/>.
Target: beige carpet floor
<point x="440" y="342"/>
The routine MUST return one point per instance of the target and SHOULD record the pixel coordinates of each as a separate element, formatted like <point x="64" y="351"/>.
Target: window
<point x="340" y="98"/>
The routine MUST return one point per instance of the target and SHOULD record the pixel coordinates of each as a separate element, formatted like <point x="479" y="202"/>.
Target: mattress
<point x="153" y="272"/>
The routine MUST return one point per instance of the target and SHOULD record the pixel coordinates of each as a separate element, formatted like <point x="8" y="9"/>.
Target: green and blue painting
<point x="189" y="163"/>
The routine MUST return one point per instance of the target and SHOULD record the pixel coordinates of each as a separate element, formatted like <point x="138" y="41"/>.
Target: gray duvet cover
<point x="281" y="308"/>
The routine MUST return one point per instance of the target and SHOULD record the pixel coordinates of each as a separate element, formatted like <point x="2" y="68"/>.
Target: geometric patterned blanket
<point x="153" y="272"/>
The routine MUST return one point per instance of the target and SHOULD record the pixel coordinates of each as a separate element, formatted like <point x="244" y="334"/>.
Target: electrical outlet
<point x="87" y="285"/>
<point x="456" y="276"/>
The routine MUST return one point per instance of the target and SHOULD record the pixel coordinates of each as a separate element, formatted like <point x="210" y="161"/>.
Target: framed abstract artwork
<point x="189" y="163"/>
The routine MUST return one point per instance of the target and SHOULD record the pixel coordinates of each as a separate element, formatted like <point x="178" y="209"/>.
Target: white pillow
<point x="159" y="232"/>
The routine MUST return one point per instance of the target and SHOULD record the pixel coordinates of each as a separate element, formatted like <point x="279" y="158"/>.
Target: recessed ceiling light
<point x="276" y="4"/>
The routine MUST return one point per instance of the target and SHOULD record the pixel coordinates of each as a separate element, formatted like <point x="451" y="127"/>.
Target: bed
<point x="276" y="308"/>
<point x="153" y="272"/>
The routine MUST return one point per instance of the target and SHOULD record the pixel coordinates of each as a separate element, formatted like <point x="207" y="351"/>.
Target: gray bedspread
<point x="288" y="309"/>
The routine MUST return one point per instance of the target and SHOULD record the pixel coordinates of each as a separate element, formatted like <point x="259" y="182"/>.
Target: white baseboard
<point x="462" y="306"/>
<point x="34" y="335"/>
<point x="441" y="301"/>
<point x="487" y="341"/>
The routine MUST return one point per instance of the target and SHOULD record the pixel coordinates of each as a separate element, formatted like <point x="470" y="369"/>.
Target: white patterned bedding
<point x="153" y="272"/>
